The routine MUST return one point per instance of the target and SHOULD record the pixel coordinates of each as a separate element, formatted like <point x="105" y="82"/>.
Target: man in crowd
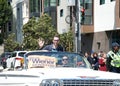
<point x="113" y="59"/>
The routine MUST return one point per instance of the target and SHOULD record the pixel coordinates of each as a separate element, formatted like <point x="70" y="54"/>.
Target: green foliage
<point x="41" y="28"/>
<point x="10" y="43"/>
<point x="67" y="41"/>
<point x="29" y="41"/>
<point x="45" y="29"/>
<point x="5" y="12"/>
<point x="5" y="16"/>
<point x="34" y="29"/>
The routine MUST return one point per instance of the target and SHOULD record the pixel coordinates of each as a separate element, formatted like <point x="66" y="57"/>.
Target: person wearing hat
<point x="113" y="58"/>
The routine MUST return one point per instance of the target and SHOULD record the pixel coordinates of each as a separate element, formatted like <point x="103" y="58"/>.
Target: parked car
<point x="3" y="58"/>
<point x="47" y="69"/>
<point x="15" y="59"/>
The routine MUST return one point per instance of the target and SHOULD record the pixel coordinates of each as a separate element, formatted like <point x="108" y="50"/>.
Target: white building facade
<point x="104" y="15"/>
<point x="20" y="17"/>
<point x="63" y="17"/>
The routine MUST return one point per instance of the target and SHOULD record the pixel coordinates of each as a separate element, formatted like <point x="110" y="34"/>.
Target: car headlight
<point x="50" y="82"/>
<point x="116" y="83"/>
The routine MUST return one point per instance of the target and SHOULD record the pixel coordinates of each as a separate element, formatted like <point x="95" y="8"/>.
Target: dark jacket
<point x="108" y="63"/>
<point x="109" y="66"/>
<point x="50" y="48"/>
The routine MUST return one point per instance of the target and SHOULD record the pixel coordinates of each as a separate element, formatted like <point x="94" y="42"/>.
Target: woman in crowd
<point x="102" y="61"/>
<point x="95" y="64"/>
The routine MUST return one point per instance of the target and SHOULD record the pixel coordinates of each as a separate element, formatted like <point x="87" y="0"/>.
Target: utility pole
<point x="77" y="26"/>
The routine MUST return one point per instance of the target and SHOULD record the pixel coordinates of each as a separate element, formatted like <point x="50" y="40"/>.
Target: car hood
<point x="34" y="76"/>
<point x="77" y="73"/>
<point x="64" y="73"/>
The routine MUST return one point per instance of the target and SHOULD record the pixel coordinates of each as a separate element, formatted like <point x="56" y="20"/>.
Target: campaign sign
<point x="41" y="61"/>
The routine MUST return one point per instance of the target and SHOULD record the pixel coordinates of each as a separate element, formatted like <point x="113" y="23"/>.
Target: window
<point x="9" y="0"/>
<point x="46" y="3"/>
<point x="52" y="2"/>
<point x="61" y="12"/>
<point x="88" y="16"/>
<point x="34" y="6"/>
<point x="112" y="0"/>
<point x="9" y="26"/>
<point x="102" y="2"/>
<point x="116" y="36"/>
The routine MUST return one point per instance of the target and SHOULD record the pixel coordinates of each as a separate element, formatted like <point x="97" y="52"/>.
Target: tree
<point x="45" y="29"/>
<point x="67" y="40"/>
<point x="34" y="29"/>
<point x="5" y="14"/>
<point x="29" y="41"/>
<point x="10" y="43"/>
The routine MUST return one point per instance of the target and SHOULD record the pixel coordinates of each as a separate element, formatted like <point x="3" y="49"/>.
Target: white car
<point x="15" y="59"/>
<point x="47" y="69"/>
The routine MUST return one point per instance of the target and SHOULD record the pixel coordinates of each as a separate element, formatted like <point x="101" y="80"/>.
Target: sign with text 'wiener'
<point x="41" y="61"/>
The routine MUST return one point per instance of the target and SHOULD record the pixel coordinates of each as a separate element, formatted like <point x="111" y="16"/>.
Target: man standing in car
<point x="55" y="46"/>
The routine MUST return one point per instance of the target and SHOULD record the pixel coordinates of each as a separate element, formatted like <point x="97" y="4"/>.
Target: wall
<point x="20" y="17"/>
<point x="96" y="42"/>
<point x="62" y="26"/>
<point x="104" y="16"/>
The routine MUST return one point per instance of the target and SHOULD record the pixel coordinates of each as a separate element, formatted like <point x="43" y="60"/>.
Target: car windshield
<point x="55" y="59"/>
<point x="5" y="55"/>
<point x="14" y="54"/>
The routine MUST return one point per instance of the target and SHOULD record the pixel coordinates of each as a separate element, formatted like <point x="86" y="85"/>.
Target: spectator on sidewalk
<point x="102" y="61"/>
<point x="95" y="64"/>
<point x="88" y="57"/>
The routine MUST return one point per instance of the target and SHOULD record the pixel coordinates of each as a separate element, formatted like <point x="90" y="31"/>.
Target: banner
<point x="41" y="61"/>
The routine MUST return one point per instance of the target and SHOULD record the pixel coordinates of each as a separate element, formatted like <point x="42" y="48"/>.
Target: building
<point x="20" y="17"/>
<point x="100" y="26"/>
<point x="23" y="10"/>
<point x="99" y="29"/>
<point x="58" y="10"/>
<point x="104" y="27"/>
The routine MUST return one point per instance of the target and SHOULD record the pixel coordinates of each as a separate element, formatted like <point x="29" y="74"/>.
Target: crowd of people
<point x="101" y="61"/>
<point x="97" y="60"/>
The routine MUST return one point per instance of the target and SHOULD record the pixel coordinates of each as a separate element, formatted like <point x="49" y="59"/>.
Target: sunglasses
<point x="64" y="59"/>
<point x="56" y="40"/>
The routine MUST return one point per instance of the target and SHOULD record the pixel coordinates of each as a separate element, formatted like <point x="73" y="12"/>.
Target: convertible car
<point x="41" y="68"/>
